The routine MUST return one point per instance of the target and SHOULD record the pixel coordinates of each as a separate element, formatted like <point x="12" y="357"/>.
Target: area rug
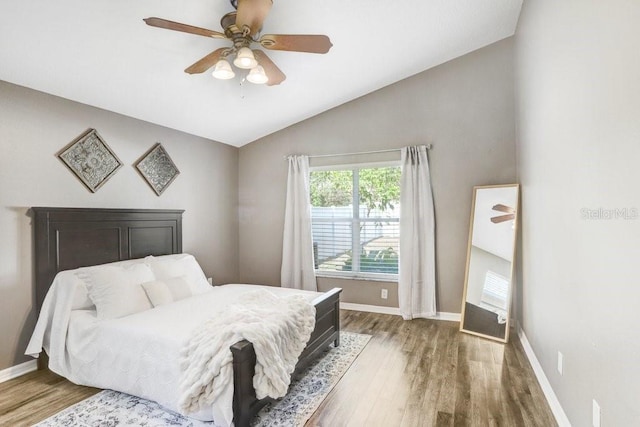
<point x="307" y="391"/>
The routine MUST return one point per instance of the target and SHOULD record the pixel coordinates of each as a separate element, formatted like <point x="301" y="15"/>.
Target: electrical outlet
<point x="384" y="294"/>
<point x="210" y="280"/>
<point x="560" y="363"/>
<point x="596" y="414"/>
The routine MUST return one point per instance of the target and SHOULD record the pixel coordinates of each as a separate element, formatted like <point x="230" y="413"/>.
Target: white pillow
<point x="116" y="291"/>
<point x="179" y="287"/>
<point x="158" y="292"/>
<point x="181" y="265"/>
<point x="68" y="280"/>
<point x="81" y="300"/>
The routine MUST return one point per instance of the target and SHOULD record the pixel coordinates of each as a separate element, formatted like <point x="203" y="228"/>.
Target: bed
<point x="69" y="238"/>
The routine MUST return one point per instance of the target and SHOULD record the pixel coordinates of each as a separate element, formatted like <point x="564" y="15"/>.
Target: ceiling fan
<point x="242" y="28"/>
<point x="510" y="213"/>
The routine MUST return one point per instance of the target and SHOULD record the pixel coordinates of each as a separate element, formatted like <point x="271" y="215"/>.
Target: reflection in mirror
<point x="490" y="255"/>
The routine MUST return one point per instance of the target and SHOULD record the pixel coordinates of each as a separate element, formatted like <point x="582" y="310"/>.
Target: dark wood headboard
<point x="68" y="238"/>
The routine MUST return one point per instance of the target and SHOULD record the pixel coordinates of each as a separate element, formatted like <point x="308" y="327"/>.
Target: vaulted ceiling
<point x="101" y="53"/>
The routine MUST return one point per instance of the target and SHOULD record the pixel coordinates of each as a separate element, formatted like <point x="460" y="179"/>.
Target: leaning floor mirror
<point x="488" y="281"/>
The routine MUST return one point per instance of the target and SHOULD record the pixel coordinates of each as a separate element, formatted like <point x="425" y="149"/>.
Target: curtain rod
<point x="429" y="147"/>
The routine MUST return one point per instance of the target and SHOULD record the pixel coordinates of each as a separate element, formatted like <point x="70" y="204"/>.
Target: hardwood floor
<point x="37" y="395"/>
<point x="415" y="373"/>
<point x="426" y="373"/>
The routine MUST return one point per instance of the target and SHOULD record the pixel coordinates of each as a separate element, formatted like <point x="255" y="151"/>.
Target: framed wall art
<point x="157" y="168"/>
<point x="90" y="159"/>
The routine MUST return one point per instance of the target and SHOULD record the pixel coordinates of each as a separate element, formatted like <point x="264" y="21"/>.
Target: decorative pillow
<point x="179" y="287"/>
<point x="158" y="292"/>
<point x="116" y="291"/>
<point x="181" y="265"/>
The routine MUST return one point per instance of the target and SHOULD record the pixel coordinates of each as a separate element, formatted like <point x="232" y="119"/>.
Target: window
<point x="495" y="291"/>
<point x="355" y="214"/>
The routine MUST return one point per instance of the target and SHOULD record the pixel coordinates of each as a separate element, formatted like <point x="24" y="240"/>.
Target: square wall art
<point x="90" y="159"/>
<point x="157" y="168"/>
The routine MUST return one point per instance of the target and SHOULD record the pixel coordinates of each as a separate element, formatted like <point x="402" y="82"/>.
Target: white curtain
<point x="297" y="245"/>
<point x="417" y="281"/>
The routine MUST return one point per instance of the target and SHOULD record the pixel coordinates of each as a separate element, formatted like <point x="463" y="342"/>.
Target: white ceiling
<point x="101" y="53"/>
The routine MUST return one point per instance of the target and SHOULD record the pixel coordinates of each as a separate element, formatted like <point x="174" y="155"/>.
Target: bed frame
<point x="68" y="238"/>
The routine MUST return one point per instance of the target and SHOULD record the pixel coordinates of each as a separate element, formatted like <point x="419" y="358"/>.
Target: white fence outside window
<point x="332" y="233"/>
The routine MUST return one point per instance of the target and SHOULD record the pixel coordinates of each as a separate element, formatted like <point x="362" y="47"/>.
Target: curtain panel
<point x="417" y="278"/>
<point x="297" y="244"/>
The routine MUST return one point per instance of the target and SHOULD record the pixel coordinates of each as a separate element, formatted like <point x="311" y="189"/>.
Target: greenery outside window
<point x="355" y="215"/>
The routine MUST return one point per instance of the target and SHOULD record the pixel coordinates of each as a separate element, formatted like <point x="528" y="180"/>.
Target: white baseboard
<point x="453" y="317"/>
<point x="369" y="308"/>
<point x="552" y="399"/>
<point x="15" y="371"/>
<point x="444" y="315"/>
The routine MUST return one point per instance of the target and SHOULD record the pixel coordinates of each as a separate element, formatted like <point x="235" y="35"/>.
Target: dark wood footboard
<point x="327" y="330"/>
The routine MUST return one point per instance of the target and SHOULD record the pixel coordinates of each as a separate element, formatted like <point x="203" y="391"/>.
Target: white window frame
<point x="355" y="221"/>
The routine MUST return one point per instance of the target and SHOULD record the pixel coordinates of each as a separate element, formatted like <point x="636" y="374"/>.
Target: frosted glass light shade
<point x="245" y="59"/>
<point x="257" y="75"/>
<point x="223" y="70"/>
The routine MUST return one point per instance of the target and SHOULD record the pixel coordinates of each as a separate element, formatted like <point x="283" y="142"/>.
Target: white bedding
<point x="278" y="328"/>
<point x="137" y="354"/>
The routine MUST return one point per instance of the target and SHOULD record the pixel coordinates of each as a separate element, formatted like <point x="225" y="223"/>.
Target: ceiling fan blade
<point x="176" y="26"/>
<point x="502" y="218"/>
<point x="503" y="208"/>
<point x="252" y="13"/>
<point x="270" y="69"/>
<point x="310" y="43"/>
<point x="205" y="63"/>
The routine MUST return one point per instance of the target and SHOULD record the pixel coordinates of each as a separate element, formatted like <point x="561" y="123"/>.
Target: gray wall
<point x="578" y="100"/>
<point x="464" y="108"/>
<point x="34" y="127"/>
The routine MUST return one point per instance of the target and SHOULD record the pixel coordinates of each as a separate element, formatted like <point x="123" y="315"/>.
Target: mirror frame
<point x="466" y="275"/>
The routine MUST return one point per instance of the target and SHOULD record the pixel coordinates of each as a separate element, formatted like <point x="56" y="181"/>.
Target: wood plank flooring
<point x="36" y="396"/>
<point x="412" y="373"/>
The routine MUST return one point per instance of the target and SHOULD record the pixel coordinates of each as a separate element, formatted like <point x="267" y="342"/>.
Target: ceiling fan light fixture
<point x="245" y="59"/>
<point x="257" y="75"/>
<point x="223" y="70"/>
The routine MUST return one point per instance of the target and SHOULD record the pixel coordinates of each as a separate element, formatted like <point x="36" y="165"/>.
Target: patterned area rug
<point x="307" y="391"/>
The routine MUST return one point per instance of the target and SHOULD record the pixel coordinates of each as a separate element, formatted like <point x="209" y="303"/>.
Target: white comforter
<point x="137" y="354"/>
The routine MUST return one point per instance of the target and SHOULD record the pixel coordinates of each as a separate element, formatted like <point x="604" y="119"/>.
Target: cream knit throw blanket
<point x="278" y="328"/>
